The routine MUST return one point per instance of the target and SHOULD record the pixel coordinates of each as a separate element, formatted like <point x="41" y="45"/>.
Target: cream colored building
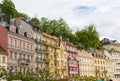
<point x="86" y="63"/>
<point x="3" y="58"/>
<point x="40" y="57"/>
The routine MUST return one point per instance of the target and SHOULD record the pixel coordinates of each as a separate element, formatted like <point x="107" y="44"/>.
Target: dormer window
<point x="12" y="28"/>
<point x="27" y="34"/>
<point x="20" y="31"/>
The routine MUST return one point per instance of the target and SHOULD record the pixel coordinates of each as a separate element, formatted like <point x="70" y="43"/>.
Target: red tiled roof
<point x="1" y="49"/>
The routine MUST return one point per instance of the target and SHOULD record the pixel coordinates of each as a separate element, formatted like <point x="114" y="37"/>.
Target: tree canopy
<point x="9" y="11"/>
<point x="88" y="37"/>
<point x="55" y="27"/>
<point x="8" y="8"/>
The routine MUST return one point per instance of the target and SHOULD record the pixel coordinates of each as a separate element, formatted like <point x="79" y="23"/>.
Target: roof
<point x="2" y="50"/>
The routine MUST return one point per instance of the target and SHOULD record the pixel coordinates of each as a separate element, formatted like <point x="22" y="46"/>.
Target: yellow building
<point x="61" y="60"/>
<point x="51" y="44"/>
<point x="3" y="58"/>
<point x="100" y="64"/>
<point x="86" y="63"/>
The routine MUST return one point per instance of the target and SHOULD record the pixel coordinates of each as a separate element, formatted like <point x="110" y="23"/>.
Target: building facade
<point x="72" y="59"/>
<point x="21" y="49"/>
<point x="113" y="47"/>
<point x="86" y="63"/>
<point x="3" y="58"/>
<point x="40" y="57"/>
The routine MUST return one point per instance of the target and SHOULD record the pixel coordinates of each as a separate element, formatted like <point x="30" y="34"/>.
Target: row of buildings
<point x="24" y="47"/>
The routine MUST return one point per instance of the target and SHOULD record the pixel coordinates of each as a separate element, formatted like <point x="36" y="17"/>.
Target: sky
<point x="104" y="14"/>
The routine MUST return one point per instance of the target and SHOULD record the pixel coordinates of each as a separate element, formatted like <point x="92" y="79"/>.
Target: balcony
<point x="24" y="61"/>
<point x="40" y="50"/>
<point x="47" y="51"/>
<point x="116" y="73"/>
<point x="47" y="60"/>
<point x="73" y="65"/>
<point x="50" y="44"/>
<point x="73" y="72"/>
<point x="40" y="41"/>
<point x="18" y="48"/>
<point x="63" y="67"/>
<point x="56" y="53"/>
<point x="39" y="60"/>
<point x="117" y="67"/>
<point x="47" y="68"/>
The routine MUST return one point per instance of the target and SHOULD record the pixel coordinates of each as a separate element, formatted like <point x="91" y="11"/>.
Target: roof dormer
<point x="12" y="28"/>
<point x="27" y="34"/>
<point x="20" y="31"/>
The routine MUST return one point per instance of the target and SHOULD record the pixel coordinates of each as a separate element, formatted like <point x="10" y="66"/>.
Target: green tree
<point x="45" y="27"/>
<point x="89" y="38"/>
<point x="23" y="15"/>
<point x="8" y="8"/>
<point x="55" y="27"/>
<point x="35" y="22"/>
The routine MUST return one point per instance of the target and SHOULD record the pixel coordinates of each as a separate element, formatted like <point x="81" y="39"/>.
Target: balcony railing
<point x="39" y="60"/>
<point x="47" y="51"/>
<point x="116" y="72"/>
<point x="39" y="41"/>
<point x="47" y="68"/>
<point x="56" y="53"/>
<point x="20" y="48"/>
<point x="51" y="44"/>
<point x="63" y="67"/>
<point x="24" y="61"/>
<point x="39" y="49"/>
<point x="47" y="60"/>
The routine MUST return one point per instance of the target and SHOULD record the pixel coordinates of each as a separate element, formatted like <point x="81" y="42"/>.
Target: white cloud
<point x="103" y="13"/>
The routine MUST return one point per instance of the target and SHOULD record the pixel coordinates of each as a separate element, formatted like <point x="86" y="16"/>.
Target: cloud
<point x="104" y="14"/>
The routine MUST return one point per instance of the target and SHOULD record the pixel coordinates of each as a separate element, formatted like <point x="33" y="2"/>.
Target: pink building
<point x="21" y="51"/>
<point x="72" y="61"/>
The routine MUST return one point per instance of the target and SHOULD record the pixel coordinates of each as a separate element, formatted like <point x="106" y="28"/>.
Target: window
<point x="10" y="55"/>
<point x="51" y="57"/>
<point x="51" y="65"/>
<point x="24" y="56"/>
<point x="11" y="41"/>
<point x="15" y="43"/>
<point x="51" y="49"/>
<point x="24" y="45"/>
<point x="20" y="56"/>
<point x="28" y="57"/>
<point x="28" y="46"/>
<point x="3" y="59"/>
<point x="15" y="55"/>
<point x="20" y="44"/>
<point x="31" y="46"/>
